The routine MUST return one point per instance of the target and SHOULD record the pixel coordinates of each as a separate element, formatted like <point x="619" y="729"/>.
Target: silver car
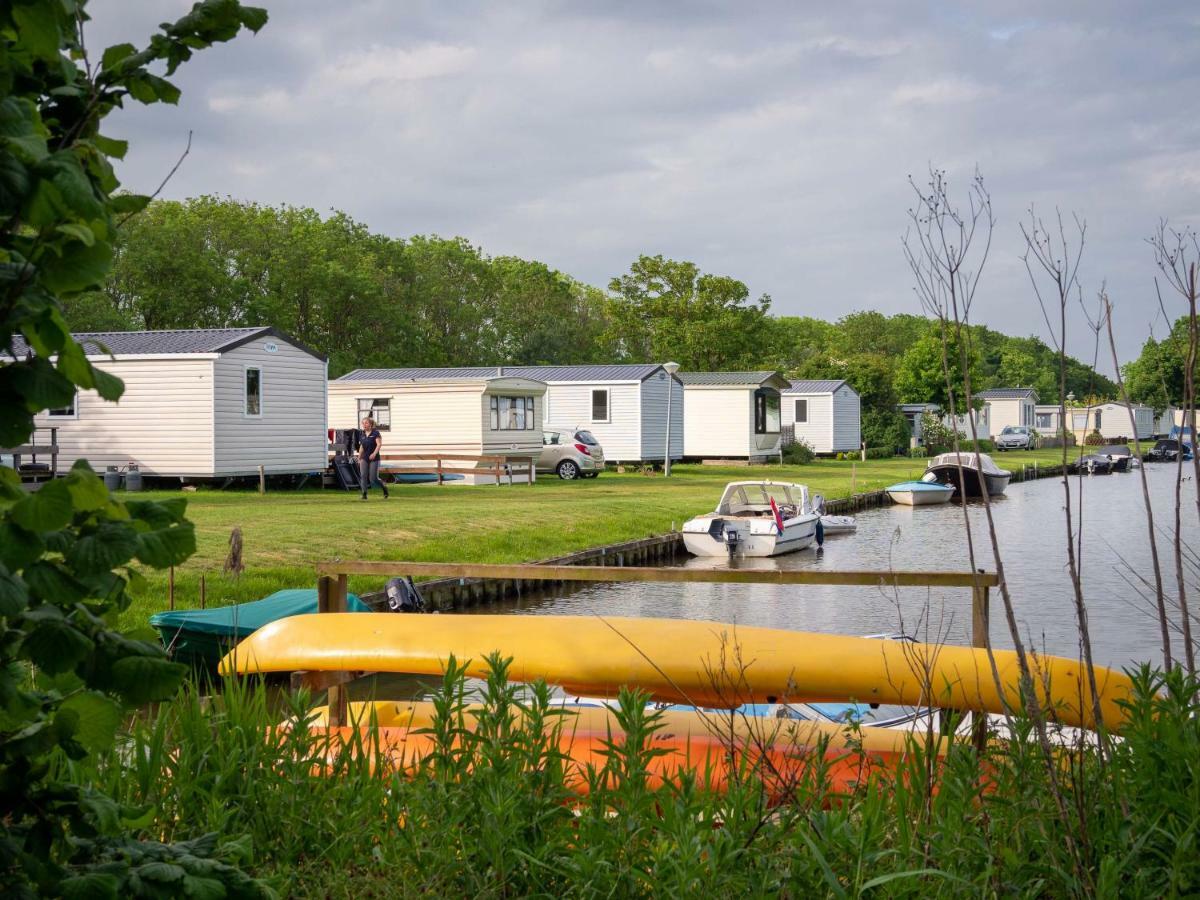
<point x="570" y="453"/>
<point x="1015" y="437"/>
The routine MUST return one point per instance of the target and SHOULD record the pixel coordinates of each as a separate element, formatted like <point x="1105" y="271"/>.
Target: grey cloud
<point x="763" y="141"/>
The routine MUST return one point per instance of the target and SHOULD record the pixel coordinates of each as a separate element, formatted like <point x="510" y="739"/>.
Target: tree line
<point x="370" y="300"/>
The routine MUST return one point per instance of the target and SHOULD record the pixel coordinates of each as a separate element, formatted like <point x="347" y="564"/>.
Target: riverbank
<point x="285" y="534"/>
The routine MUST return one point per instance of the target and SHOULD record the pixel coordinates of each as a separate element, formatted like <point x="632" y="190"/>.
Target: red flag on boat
<point x="778" y="517"/>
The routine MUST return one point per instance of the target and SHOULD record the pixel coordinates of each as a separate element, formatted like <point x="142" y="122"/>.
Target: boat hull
<point x="972" y="483"/>
<point x="680" y="661"/>
<point x="707" y="536"/>
<point x="920" y="498"/>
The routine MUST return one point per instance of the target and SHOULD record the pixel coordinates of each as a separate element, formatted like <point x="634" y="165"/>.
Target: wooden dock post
<point x="332" y="597"/>
<point x="980" y="613"/>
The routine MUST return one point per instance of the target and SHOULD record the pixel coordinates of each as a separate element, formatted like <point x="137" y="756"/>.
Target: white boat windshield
<point x="980" y="461"/>
<point x="749" y="498"/>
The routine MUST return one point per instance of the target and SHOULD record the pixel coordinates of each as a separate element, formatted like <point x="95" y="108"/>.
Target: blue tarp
<point x="243" y="619"/>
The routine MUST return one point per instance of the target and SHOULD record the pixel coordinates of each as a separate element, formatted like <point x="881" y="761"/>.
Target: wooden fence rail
<point x="332" y="591"/>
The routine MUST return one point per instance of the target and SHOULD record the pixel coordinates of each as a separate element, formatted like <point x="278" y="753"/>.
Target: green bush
<point x="918" y="452"/>
<point x="880" y="453"/>
<point x="798" y="453"/>
<point x="983" y="445"/>
<point x="884" y="428"/>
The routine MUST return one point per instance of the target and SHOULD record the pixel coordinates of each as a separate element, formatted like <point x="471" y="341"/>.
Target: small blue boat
<point x="920" y="493"/>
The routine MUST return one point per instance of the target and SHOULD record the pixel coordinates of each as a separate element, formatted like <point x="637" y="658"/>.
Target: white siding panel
<point x="654" y="417"/>
<point x="818" y="430"/>
<point x="847" y="420"/>
<point x="289" y="436"/>
<point x="163" y="423"/>
<point x="425" y="417"/>
<point x="719" y="423"/>
<point x="569" y="405"/>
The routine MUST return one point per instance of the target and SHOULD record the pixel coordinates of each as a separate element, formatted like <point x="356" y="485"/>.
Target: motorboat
<point x="926" y="492"/>
<point x="1119" y="455"/>
<point x="831" y="524"/>
<point x="971" y="473"/>
<point x="1093" y="464"/>
<point x="1168" y="450"/>
<point x="755" y="518"/>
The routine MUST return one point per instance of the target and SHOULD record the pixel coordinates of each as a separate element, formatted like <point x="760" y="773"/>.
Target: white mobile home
<point x="624" y="406"/>
<point x="450" y="411"/>
<point x="732" y="415"/>
<point x="1008" y="406"/>
<point x="825" y="414"/>
<point x="198" y="403"/>
<point x="1110" y="419"/>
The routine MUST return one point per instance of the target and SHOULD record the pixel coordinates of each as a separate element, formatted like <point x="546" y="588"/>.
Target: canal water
<point x="1118" y="574"/>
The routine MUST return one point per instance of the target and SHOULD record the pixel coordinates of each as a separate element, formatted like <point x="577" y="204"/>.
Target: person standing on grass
<point x="368" y="458"/>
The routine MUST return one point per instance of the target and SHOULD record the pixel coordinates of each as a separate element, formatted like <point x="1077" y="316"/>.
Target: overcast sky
<point x="770" y="142"/>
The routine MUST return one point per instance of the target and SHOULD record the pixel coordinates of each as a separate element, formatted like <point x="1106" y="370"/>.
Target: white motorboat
<point x="754" y="518"/>
<point x="976" y="472"/>
<point x="926" y="492"/>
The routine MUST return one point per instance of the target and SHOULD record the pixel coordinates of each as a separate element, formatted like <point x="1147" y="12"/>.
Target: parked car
<point x="1016" y="437"/>
<point x="1167" y="450"/>
<point x="570" y="453"/>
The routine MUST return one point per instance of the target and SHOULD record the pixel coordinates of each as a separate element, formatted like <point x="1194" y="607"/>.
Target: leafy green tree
<point x="67" y="551"/>
<point x="542" y="316"/>
<point x="1156" y="377"/>
<point x="665" y="309"/>
<point x="921" y="373"/>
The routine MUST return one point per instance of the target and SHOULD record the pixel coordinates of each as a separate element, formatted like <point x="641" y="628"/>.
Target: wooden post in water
<point x="980" y="613"/>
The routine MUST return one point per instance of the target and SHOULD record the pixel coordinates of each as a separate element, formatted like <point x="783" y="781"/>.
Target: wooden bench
<point x="497" y="466"/>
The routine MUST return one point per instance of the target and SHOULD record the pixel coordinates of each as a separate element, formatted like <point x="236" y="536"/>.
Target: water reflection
<point x="1030" y="524"/>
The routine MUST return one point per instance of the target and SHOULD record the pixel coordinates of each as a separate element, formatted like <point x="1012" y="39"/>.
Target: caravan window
<point x="801" y="412"/>
<point x="600" y="405"/>
<point x="1045" y="420"/>
<point x="766" y="411"/>
<point x="253" y="406"/>
<point x="70" y="411"/>
<point x="378" y="409"/>
<point x="512" y="413"/>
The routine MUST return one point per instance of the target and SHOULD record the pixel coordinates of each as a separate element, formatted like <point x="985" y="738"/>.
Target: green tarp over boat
<point x="201" y="637"/>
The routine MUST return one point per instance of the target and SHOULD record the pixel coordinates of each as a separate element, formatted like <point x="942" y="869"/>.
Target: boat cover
<point x="984" y="464"/>
<point x="1115" y="450"/>
<point x="243" y="619"/>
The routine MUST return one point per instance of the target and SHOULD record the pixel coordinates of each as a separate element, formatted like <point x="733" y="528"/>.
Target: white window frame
<point x="528" y="407"/>
<point x="246" y="414"/>
<point x="372" y="403"/>
<point x="796" y="410"/>
<point x="73" y="410"/>
<point x="607" y="405"/>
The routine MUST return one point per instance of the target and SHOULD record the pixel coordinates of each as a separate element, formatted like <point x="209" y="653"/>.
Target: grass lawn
<point x="286" y="533"/>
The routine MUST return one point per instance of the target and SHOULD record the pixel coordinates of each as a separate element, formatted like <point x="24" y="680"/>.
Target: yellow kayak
<point x="704" y="664"/>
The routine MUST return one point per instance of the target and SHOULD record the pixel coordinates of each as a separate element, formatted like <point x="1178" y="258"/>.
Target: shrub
<point x="918" y="452"/>
<point x="880" y="452"/>
<point x="798" y="453"/>
<point x="884" y="428"/>
<point x="983" y="445"/>
<point x="1095" y="439"/>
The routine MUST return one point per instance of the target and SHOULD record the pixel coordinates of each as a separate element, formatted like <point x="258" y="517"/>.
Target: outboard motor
<point x="403" y="596"/>
<point x="732" y="540"/>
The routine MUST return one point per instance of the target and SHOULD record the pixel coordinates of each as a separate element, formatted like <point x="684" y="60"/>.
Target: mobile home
<point x="1110" y="419"/>
<point x="732" y="415"/>
<point x="624" y="406"/>
<point x="1008" y="406"/>
<point x="198" y="403"/>
<point x="914" y="414"/>
<point x="825" y="414"/>
<point x="444" y="411"/>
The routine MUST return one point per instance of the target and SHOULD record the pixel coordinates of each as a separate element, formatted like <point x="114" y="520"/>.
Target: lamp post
<point x="671" y="368"/>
